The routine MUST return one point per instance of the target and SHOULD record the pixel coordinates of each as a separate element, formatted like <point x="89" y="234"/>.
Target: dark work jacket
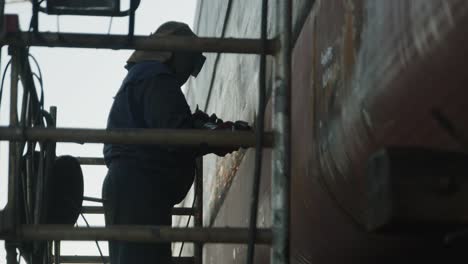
<point x="150" y="97"/>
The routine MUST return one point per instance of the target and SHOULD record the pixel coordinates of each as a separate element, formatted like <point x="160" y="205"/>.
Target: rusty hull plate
<point x="368" y="74"/>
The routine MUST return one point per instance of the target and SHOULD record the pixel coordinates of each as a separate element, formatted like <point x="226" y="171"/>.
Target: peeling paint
<point x="227" y="168"/>
<point x="326" y="56"/>
<point x="367" y="119"/>
<point x="327" y="76"/>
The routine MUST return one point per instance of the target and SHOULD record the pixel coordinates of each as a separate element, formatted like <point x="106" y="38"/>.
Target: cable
<point x="41" y="101"/>
<point x="218" y="55"/>
<point x="37" y="64"/>
<point x="97" y="244"/>
<point x="301" y="19"/>
<point x="260" y="127"/>
<point x="39" y="78"/>
<point x="3" y="80"/>
<point x="41" y="84"/>
<point x="188" y="221"/>
<point x="32" y="21"/>
<point x="110" y="25"/>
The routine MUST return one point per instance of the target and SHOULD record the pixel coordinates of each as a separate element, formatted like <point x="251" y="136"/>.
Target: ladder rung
<point x="175" y="210"/>
<point x="169" y="43"/>
<point x="137" y="136"/>
<point x="98" y="259"/>
<point x="91" y="161"/>
<point x="138" y="234"/>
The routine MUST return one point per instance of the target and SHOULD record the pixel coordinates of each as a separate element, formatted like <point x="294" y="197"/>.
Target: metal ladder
<point x="279" y="140"/>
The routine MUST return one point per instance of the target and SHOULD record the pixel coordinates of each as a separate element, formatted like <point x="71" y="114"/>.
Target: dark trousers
<point x="135" y="196"/>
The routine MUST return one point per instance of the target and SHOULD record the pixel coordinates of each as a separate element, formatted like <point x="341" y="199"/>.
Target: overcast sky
<point x="82" y="82"/>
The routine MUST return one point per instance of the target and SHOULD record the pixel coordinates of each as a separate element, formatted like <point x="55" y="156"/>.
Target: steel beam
<point x="136" y="136"/>
<point x="105" y="259"/>
<point x="100" y="210"/>
<point x="137" y="234"/>
<point x="170" y="43"/>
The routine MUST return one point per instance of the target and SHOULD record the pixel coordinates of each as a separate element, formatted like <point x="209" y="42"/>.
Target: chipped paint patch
<point x="329" y="75"/>
<point x="326" y="56"/>
<point x="367" y="119"/>
<point x="227" y="168"/>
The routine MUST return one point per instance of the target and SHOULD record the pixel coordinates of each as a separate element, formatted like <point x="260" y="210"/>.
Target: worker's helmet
<point x="171" y="28"/>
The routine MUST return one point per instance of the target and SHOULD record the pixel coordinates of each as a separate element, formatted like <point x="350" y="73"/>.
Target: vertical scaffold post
<point x="57" y="251"/>
<point x="2" y="12"/>
<point x="9" y="221"/>
<point x="198" y="216"/>
<point x="56" y="243"/>
<point x="280" y="193"/>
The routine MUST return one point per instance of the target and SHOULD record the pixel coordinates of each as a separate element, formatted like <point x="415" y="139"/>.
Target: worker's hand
<point x="233" y="126"/>
<point x="199" y="115"/>
<point x="202" y="120"/>
<point x="230" y="126"/>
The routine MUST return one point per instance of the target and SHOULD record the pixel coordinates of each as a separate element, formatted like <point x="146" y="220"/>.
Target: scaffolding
<point x="279" y="140"/>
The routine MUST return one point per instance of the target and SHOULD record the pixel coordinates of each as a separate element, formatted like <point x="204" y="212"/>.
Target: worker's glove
<point x="202" y="120"/>
<point x="229" y="126"/>
<point x="233" y="126"/>
<point x="200" y="115"/>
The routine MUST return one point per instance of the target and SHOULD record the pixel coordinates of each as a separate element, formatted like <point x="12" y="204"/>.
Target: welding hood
<point x="171" y="28"/>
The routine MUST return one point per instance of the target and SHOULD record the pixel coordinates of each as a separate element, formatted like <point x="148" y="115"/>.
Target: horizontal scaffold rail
<point x="169" y="43"/>
<point x="100" y="210"/>
<point x="137" y="136"/>
<point x="91" y="161"/>
<point x="99" y="259"/>
<point x="138" y="234"/>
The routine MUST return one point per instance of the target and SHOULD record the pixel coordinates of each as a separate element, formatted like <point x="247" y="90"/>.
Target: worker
<point x="144" y="182"/>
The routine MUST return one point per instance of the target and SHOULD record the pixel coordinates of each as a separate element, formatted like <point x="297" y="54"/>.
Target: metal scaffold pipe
<point x="91" y="161"/>
<point x="281" y="121"/>
<point x="100" y="260"/>
<point x="138" y="234"/>
<point x="170" y="43"/>
<point x="174" y="211"/>
<point x="136" y="136"/>
<point x="9" y="216"/>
